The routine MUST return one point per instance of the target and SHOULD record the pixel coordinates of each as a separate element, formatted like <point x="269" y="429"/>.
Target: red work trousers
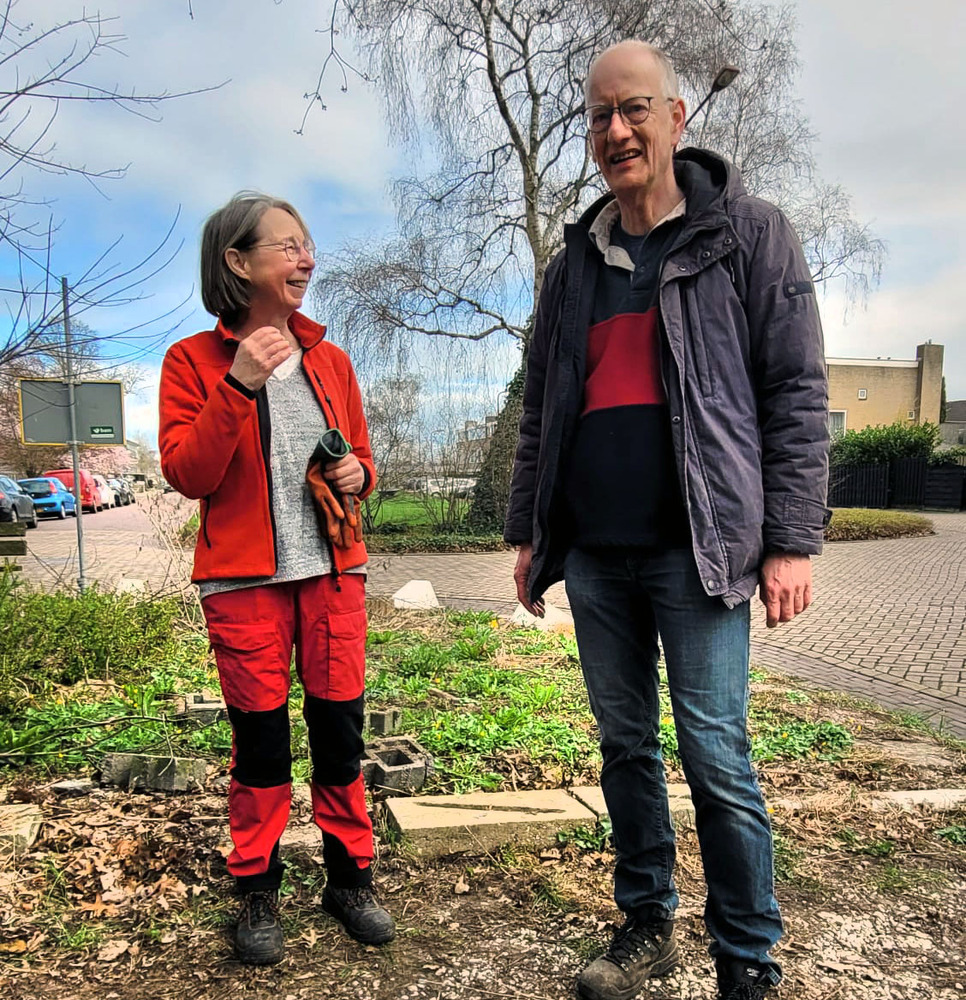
<point x="253" y="632"/>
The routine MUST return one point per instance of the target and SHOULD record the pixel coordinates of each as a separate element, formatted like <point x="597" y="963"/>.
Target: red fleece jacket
<point x="215" y="442"/>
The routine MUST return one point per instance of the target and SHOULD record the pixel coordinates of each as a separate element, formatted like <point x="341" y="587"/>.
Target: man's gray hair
<point x="234" y="226"/>
<point x="669" y="79"/>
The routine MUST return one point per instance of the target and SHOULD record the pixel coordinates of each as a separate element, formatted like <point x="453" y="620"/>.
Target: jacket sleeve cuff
<point x="366" y="480"/>
<point x="239" y="387"/>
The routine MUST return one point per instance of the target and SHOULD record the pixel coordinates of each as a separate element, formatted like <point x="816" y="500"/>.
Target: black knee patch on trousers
<point x="263" y="748"/>
<point x="335" y="739"/>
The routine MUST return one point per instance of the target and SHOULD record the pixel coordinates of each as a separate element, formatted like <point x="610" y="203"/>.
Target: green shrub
<point x="49" y="639"/>
<point x="412" y="541"/>
<point x="855" y="524"/>
<point x="881" y="444"/>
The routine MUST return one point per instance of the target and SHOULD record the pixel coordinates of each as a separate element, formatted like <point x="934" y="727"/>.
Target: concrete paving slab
<point x="939" y="799"/>
<point x="553" y="618"/>
<point x="678" y="794"/>
<point x="484" y="821"/>
<point x="417" y="595"/>
<point x="19" y="827"/>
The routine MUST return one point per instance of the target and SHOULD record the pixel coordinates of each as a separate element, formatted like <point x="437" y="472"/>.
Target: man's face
<point x="634" y="159"/>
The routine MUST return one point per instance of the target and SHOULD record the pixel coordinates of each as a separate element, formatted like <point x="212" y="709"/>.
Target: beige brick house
<point x="864" y="392"/>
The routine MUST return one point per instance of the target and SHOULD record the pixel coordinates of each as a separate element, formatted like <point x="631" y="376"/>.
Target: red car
<point x="90" y="498"/>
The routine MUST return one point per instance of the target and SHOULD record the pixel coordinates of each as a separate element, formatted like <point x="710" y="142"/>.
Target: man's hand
<point x="521" y="577"/>
<point x="346" y="475"/>
<point x="258" y="355"/>
<point x="786" y="587"/>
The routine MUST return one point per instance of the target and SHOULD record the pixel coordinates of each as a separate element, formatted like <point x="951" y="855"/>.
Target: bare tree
<point x="489" y="92"/>
<point x="43" y="69"/>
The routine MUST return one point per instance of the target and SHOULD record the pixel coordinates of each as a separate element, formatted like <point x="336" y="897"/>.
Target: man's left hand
<point x="346" y="475"/>
<point x="786" y="586"/>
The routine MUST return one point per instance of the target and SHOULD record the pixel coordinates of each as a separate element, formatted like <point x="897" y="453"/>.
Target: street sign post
<point x="45" y="412"/>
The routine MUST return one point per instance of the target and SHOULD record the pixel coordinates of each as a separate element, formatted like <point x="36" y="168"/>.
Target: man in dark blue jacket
<point x="673" y="458"/>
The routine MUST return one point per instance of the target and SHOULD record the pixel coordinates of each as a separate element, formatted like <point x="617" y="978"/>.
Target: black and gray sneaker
<point x="742" y="980"/>
<point x="638" y="952"/>
<point x="258" y="929"/>
<point x="359" y="913"/>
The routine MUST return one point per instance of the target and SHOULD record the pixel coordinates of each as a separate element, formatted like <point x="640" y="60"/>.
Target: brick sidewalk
<point x="887" y="624"/>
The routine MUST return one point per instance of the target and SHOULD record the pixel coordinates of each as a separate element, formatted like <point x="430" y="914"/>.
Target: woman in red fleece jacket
<point x="242" y="407"/>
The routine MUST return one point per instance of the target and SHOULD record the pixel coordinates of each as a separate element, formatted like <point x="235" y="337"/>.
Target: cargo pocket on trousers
<point x="254" y="676"/>
<point x="347" y="655"/>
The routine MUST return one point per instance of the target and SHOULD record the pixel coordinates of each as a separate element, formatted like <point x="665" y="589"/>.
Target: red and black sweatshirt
<point x="622" y="483"/>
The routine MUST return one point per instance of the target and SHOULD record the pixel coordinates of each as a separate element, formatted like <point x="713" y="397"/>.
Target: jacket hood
<point x="709" y="182"/>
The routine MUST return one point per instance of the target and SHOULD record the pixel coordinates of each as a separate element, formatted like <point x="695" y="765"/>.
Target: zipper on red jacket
<point x="265" y="439"/>
<point x="206" y="500"/>
<point x="325" y="396"/>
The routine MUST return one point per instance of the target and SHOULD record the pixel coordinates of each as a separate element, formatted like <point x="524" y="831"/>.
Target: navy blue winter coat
<point x="744" y="370"/>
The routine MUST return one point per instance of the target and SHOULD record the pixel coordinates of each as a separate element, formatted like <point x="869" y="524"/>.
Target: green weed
<point x="955" y="834"/>
<point x="588" y="838"/>
<point x="789" y="739"/>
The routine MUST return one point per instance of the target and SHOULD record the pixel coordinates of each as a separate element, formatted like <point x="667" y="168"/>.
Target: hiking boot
<point x="739" y="980"/>
<point x="638" y="952"/>
<point x="258" y="930"/>
<point x="359" y="913"/>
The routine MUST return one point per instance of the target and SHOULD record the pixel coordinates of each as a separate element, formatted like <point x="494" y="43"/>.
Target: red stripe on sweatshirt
<point x="624" y="363"/>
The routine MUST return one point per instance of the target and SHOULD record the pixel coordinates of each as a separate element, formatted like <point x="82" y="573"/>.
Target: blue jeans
<point x="621" y="602"/>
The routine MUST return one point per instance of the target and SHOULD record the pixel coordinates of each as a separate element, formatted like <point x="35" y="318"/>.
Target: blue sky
<point x="881" y="81"/>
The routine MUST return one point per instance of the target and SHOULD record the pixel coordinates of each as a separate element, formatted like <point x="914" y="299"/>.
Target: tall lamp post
<point x="725" y="78"/>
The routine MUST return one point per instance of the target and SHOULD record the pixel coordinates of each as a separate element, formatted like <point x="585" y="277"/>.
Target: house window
<point x="836" y="423"/>
<point x="863" y="393"/>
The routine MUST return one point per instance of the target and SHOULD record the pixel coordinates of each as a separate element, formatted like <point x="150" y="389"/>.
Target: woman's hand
<point x="346" y="475"/>
<point x="258" y="355"/>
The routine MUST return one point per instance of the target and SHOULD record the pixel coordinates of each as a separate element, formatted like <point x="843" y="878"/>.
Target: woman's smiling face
<point x="277" y="284"/>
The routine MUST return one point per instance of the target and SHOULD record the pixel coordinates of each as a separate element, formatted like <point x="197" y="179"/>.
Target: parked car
<point x="122" y="492"/>
<point x="90" y="498"/>
<point x="104" y="491"/>
<point x="15" y="505"/>
<point x="448" y="486"/>
<point x="50" y="496"/>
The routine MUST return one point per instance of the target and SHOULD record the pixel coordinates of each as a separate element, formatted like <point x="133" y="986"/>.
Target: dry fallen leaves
<point x="113" y="950"/>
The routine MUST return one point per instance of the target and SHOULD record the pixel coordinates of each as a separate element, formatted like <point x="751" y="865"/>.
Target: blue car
<point x="50" y="497"/>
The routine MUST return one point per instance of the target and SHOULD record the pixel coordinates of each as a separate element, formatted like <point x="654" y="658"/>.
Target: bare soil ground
<point x="126" y="896"/>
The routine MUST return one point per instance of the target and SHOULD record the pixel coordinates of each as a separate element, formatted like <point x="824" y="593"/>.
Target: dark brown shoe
<point x="359" y="913"/>
<point x="637" y="953"/>
<point x="258" y="930"/>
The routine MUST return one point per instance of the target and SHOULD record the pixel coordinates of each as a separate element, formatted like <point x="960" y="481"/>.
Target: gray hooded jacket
<point x="744" y="370"/>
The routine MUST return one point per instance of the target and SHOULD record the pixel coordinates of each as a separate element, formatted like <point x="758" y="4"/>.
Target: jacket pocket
<point x="253" y="669"/>
<point x="697" y="347"/>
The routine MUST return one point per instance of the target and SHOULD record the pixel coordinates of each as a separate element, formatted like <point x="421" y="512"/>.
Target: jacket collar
<point x="307" y="332"/>
<point x="709" y="183"/>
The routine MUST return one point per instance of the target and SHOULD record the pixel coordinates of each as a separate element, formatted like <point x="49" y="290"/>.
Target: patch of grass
<point x="955" y="834"/>
<point x="787" y="859"/>
<point x="780" y="738"/>
<point x="850" y="524"/>
<point x="897" y="879"/>
<point x="587" y="838"/>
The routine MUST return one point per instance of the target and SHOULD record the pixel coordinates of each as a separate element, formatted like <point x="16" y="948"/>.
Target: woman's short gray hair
<point x="234" y="226"/>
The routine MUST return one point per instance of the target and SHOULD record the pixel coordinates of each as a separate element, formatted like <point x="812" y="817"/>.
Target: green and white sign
<point x="45" y="415"/>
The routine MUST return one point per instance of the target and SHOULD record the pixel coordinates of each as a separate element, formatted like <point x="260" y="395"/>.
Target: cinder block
<point x="401" y="764"/>
<point x="201" y="709"/>
<point x="416" y="595"/>
<point x="384" y="722"/>
<point x="19" y="827"/>
<point x="484" y="821"/>
<point x="678" y="795"/>
<point x="161" y="774"/>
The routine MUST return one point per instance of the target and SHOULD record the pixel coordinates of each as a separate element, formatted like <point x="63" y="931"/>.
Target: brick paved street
<point x="888" y="622"/>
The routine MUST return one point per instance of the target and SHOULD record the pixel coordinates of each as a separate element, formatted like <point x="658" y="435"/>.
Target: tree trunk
<point x="492" y="493"/>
